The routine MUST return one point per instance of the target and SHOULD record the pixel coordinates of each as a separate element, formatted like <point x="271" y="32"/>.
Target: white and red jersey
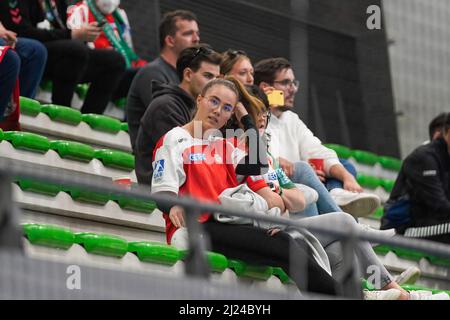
<point x="199" y="168"/>
<point x="79" y="16"/>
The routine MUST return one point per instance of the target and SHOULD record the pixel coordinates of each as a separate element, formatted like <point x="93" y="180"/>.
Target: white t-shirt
<point x="291" y="139"/>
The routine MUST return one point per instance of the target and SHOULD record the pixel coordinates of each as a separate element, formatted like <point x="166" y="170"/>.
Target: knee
<point x="303" y="167"/>
<point x="344" y="219"/>
<point x="114" y="62"/>
<point x="78" y="52"/>
<point x="39" y="52"/>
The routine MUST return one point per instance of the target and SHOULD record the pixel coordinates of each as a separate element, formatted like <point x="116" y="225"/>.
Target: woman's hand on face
<point x="240" y="111"/>
<point x="176" y="215"/>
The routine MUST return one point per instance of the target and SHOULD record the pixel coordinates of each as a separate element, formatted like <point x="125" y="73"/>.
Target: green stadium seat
<point x="121" y="103"/>
<point x="155" y="252"/>
<point x="1" y="135"/>
<point x="28" y="141"/>
<point x="387" y="184"/>
<point x="39" y="187"/>
<point x="48" y="235"/>
<point x="365" y="157"/>
<point x="243" y="269"/>
<point x="216" y="261"/>
<point x="342" y="151"/>
<point x="115" y="159"/>
<point x="368" y="181"/>
<point x="390" y="163"/>
<point x="82" y="195"/>
<point x="410" y="287"/>
<point x="73" y="150"/>
<point x="62" y="114"/>
<point x="124" y="126"/>
<point x="136" y="204"/>
<point x="279" y="272"/>
<point x="102" y="123"/>
<point x="29" y="106"/>
<point x="411" y="254"/>
<point x="81" y="90"/>
<point x="102" y="244"/>
<point x="378" y="214"/>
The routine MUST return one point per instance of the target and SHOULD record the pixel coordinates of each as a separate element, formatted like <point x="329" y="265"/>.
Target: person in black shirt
<point x="178" y="30"/>
<point x="173" y="105"/>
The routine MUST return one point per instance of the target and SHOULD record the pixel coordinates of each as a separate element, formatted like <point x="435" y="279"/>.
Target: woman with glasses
<point x="237" y="64"/>
<point x="365" y="258"/>
<point x="192" y="160"/>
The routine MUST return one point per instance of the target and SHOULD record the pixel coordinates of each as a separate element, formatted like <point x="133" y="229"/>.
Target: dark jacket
<point x="425" y="176"/>
<point x="171" y="107"/>
<point x="22" y="17"/>
<point x="140" y="93"/>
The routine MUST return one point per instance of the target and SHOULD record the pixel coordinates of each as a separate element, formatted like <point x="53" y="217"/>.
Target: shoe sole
<point x="361" y="207"/>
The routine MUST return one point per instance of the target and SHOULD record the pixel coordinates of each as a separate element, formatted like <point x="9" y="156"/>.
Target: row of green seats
<point x="408" y="287"/>
<point x="411" y="254"/>
<point x="366" y="157"/>
<point x="69" y="149"/>
<point x="371" y="182"/>
<point x="83" y="195"/>
<point x="114" y="246"/>
<point x="72" y="116"/>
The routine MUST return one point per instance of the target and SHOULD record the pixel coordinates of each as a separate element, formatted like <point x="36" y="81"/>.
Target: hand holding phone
<point x="276" y="98"/>
<point x="101" y="23"/>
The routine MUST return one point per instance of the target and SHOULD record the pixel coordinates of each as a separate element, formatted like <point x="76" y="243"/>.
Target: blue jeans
<point x="304" y="174"/>
<point x="33" y="56"/>
<point x="9" y="71"/>
<point x="332" y="183"/>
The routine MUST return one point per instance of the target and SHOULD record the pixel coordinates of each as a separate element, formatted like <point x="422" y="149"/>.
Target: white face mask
<point x="107" y="6"/>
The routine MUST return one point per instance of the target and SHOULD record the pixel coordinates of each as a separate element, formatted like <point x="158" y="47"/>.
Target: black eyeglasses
<point x="204" y="51"/>
<point x="287" y="83"/>
<point x="234" y="53"/>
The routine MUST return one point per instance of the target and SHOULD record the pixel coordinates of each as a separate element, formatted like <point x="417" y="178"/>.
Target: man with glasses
<point x="178" y="30"/>
<point x="173" y="105"/>
<point x="292" y="143"/>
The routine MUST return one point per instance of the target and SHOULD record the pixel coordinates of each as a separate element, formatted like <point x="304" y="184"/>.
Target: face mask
<point x="107" y="6"/>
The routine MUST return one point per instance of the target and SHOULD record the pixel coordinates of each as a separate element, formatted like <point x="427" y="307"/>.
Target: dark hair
<point x="257" y="92"/>
<point x="168" y="26"/>
<point x="437" y="124"/>
<point x="230" y="58"/>
<point x="192" y="57"/>
<point x="447" y="122"/>
<point x="266" y="70"/>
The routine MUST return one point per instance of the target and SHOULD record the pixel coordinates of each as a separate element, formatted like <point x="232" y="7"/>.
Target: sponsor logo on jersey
<point x="195" y="157"/>
<point x="158" y="171"/>
<point x="272" y="176"/>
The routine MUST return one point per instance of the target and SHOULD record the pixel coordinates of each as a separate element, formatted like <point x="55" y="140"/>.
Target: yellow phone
<point x="276" y="98"/>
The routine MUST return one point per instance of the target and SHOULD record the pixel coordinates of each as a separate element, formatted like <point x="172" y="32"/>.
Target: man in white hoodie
<point x="292" y="143"/>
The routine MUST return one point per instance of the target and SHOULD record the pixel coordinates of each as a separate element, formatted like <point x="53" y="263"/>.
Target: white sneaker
<point x="391" y="294"/>
<point x="357" y="204"/>
<point x="427" y="295"/>
<point x="386" y="233"/>
<point x="409" y="276"/>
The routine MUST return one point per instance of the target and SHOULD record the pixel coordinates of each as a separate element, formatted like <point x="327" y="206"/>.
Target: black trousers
<point x="71" y="62"/>
<point x="254" y="245"/>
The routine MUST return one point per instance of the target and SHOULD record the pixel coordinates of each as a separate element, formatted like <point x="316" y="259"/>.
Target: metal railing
<point x="196" y="264"/>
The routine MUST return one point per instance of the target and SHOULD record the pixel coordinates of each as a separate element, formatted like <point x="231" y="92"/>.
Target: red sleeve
<point x="255" y="183"/>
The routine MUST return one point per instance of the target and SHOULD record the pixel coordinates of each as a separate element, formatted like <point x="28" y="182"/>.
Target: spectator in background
<point x="292" y="142"/>
<point x="115" y="35"/>
<point x="173" y="105"/>
<point x="237" y="63"/>
<point x="20" y="73"/>
<point x="70" y="61"/>
<point x="424" y="180"/>
<point x="436" y="126"/>
<point x="178" y="30"/>
<point x="33" y="57"/>
<point x="9" y="89"/>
